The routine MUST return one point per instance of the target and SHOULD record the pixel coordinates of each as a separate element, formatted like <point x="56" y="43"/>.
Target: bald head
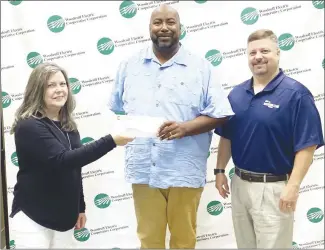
<point x="165" y="9"/>
<point x="165" y="28"/>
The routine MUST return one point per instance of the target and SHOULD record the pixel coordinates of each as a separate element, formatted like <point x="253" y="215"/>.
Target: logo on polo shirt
<point x="270" y="105"/>
<point x="318" y="4"/>
<point x="295" y="245"/>
<point x="231" y="173"/>
<point x="6" y="100"/>
<point x="214" y="57"/>
<point x="12" y="244"/>
<point x="183" y="32"/>
<point x="105" y="46"/>
<point x="56" y="24"/>
<point x="86" y="140"/>
<point x="286" y="41"/>
<point x="82" y="234"/>
<point x="200" y="1"/>
<point x="75" y="85"/>
<point x="249" y="16"/>
<point x="128" y="9"/>
<point x="102" y="201"/>
<point x="14" y="2"/>
<point x="215" y="208"/>
<point x="14" y="159"/>
<point x="34" y="59"/>
<point x="315" y="215"/>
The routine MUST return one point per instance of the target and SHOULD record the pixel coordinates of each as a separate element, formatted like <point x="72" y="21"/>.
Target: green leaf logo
<point x="14" y="159"/>
<point x="231" y="173"/>
<point x="82" y="234"/>
<point x="249" y="16"/>
<point x="56" y="24"/>
<point x="86" y="140"/>
<point x="315" y="215"/>
<point x="15" y="2"/>
<point x="318" y="4"/>
<point x="286" y="41"/>
<point x="34" y="59"/>
<point x="128" y="9"/>
<point x="214" y="57"/>
<point x="183" y="32"/>
<point x="105" y="46"/>
<point x="215" y="208"/>
<point x="102" y="201"/>
<point x="6" y="100"/>
<point x="75" y="85"/>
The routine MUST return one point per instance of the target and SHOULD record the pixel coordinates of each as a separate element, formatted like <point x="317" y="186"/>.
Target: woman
<point x="48" y="197"/>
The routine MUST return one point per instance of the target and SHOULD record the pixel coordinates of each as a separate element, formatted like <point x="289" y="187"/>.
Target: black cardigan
<point x="49" y="184"/>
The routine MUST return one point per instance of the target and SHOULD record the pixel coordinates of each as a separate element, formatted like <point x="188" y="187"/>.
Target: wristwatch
<point x="218" y="170"/>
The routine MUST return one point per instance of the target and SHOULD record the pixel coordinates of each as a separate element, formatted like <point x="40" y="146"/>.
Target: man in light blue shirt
<point x="168" y="172"/>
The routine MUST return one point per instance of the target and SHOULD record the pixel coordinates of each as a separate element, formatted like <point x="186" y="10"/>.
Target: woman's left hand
<point x="81" y="222"/>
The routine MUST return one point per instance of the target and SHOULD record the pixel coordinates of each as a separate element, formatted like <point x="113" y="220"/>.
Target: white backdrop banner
<point x="90" y="38"/>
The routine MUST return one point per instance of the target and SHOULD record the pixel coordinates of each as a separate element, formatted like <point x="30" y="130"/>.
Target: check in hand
<point x="170" y="130"/>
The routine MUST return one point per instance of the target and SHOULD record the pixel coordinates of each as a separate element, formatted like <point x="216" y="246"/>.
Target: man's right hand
<point x="222" y="185"/>
<point x="122" y="140"/>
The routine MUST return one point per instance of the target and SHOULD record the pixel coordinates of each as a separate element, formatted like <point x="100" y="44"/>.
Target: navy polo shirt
<point x="270" y="127"/>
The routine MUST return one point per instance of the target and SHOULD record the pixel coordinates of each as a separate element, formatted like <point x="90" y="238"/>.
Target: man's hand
<point x="288" y="198"/>
<point x="171" y="130"/>
<point x="222" y="185"/>
<point x="81" y="222"/>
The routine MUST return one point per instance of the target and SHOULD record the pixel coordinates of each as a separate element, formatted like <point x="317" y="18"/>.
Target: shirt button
<point x="157" y="104"/>
<point x="159" y="85"/>
<point x="154" y="144"/>
<point x="153" y="164"/>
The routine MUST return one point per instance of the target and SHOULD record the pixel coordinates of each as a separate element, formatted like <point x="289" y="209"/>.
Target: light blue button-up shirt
<point x="179" y="90"/>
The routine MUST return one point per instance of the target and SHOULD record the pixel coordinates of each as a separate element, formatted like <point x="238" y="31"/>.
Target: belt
<point x="256" y="177"/>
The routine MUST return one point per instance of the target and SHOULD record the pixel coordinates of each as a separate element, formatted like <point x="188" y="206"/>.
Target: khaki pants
<point x="258" y="221"/>
<point x="175" y="206"/>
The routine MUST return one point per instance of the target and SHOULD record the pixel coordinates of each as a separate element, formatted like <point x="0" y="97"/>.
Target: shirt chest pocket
<point x="182" y="90"/>
<point x="137" y="86"/>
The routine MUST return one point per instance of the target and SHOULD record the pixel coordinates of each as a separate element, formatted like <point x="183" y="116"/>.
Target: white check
<point x="139" y="126"/>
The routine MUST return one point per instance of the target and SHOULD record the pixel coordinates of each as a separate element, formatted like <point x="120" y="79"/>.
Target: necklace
<point x="62" y="133"/>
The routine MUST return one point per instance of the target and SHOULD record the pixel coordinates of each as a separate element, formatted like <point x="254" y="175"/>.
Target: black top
<point x="49" y="183"/>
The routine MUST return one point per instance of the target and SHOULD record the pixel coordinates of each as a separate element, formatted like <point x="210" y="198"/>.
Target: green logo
<point x="183" y="32"/>
<point x="128" y="9"/>
<point x="105" y="46"/>
<point x="315" y="215"/>
<point x="214" y="57"/>
<point x="318" y="4"/>
<point x="6" y="100"/>
<point x="14" y="2"/>
<point x="82" y="234"/>
<point x="86" y="140"/>
<point x="102" y="201"/>
<point x="323" y="64"/>
<point x="14" y="159"/>
<point x="12" y="244"/>
<point x="120" y="113"/>
<point x="295" y="245"/>
<point x="200" y="1"/>
<point x="231" y="173"/>
<point x="56" y="24"/>
<point x="75" y="85"/>
<point x="249" y="16"/>
<point x="215" y="208"/>
<point x="286" y="41"/>
<point x="34" y="59"/>
<point x="209" y="153"/>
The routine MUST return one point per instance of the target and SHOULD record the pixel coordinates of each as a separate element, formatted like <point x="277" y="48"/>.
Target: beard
<point x="164" y="43"/>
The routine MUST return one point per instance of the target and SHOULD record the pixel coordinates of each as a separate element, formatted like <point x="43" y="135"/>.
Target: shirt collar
<point x="270" y="87"/>
<point x="180" y="57"/>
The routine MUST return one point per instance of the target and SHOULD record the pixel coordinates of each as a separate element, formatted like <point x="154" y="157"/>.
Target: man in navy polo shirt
<point x="272" y="139"/>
